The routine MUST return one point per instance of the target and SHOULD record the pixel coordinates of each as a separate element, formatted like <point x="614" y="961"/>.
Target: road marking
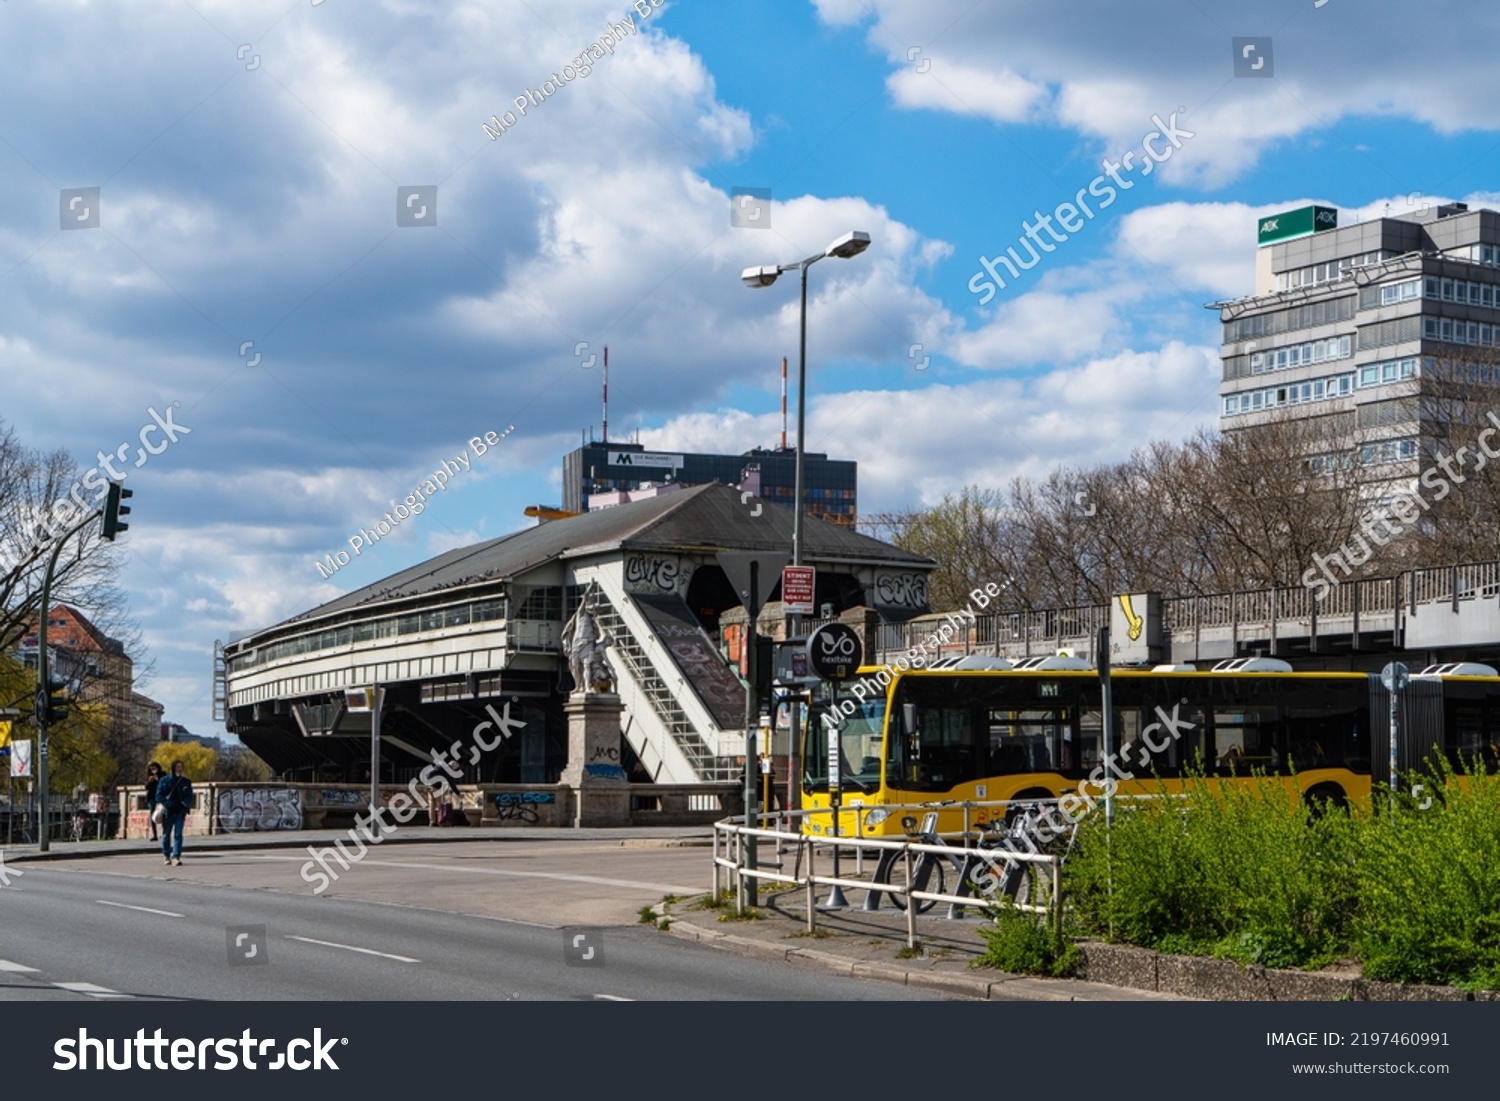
<point x="354" y="948"/>
<point x="665" y="888"/>
<point x="91" y="990"/>
<point x="142" y="909"/>
<point x="7" y="965"/>
<point x="611" y="998"/>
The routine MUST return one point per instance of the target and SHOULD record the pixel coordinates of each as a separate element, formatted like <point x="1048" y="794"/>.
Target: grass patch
<point x="750" y="913"/>
<point x="909" y="951"/>
<point x="647" y="915"/>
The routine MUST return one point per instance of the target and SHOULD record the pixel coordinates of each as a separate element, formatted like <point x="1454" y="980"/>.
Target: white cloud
<point x="1104" y="68"/>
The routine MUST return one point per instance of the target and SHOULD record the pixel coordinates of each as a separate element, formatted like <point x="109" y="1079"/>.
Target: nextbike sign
<point x="645" y="458"/>
<point x="1297" y="223"/>
<point x="834" y="651"/>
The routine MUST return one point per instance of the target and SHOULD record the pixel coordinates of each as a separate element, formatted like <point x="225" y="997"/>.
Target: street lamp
<point x="849" y="245"/>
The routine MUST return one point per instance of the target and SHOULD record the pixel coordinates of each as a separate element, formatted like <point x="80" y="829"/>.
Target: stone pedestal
<point x="601" y="792"/>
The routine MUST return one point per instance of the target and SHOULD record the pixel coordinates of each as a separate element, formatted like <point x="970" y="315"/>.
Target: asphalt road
<point x="81" y="932"/>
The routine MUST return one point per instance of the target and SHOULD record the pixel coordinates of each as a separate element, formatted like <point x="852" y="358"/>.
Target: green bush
<point x="1020" y="942"/>
<point x="1243" y="873"/>
<point x="1248" y="873"/>
<point x="1428" y="884"/>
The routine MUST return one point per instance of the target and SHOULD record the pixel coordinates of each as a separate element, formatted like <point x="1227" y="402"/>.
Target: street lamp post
<point x="849" y="245"/>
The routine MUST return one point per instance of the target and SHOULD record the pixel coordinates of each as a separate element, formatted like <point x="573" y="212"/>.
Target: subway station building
<point x="482" y="625"/>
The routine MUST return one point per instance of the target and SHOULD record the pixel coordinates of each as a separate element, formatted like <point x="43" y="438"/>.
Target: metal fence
<point x="732" y="859"/>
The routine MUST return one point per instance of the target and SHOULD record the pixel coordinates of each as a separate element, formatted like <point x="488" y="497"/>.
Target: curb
<point x="1002" y="988"/>
<point x="1225" y="980"/>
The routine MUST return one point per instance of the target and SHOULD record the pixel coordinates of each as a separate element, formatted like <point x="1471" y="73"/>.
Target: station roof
<point x="708" y="518"/>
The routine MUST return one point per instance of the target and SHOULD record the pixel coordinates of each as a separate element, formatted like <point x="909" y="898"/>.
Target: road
<point x="127" y="927"/>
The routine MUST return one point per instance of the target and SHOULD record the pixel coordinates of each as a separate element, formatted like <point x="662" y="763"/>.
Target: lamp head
<point x="762" y="276"/>
<point x="850" y="244"/>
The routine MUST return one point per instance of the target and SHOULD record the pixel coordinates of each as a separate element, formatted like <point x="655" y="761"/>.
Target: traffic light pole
<point x="44" y="678"/>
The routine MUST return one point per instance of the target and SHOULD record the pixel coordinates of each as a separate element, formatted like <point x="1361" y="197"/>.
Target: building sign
<point x="645" y="458"/>
<point x="797" y="586"/>
<point x="1297" y="223"/>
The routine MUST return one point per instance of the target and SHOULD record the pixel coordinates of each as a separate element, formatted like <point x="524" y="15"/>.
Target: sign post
<point x="834" y="652"/>
<point x="1394" y="676"/>
<point x="744" y="570"/>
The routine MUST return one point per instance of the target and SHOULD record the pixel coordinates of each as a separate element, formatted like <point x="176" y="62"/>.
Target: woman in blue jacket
<point x="175" y="792"/>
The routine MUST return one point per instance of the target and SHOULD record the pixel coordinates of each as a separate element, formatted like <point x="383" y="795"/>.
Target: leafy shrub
<point x="1020" y="942"/>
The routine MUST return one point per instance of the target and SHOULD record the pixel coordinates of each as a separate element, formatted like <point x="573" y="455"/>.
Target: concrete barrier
<point x="274" y="807"/>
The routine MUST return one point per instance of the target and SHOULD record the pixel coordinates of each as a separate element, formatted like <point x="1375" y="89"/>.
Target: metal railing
<point x="731" y="858"/>
<point x="705" y="764"/>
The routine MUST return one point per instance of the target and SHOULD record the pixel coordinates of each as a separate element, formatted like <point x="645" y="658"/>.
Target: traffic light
<point x="113" y="510"/>
<point x="52" y="701"/>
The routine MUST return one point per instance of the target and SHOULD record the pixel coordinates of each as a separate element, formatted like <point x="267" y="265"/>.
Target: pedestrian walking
<point x="175" y="793"/>
<point x="153" y="778"/>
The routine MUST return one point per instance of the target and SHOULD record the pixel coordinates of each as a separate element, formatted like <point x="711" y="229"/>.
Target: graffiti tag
<point x="901" y="590"/>
<point x="260" y="809"/>
<point x="643" y="571"/>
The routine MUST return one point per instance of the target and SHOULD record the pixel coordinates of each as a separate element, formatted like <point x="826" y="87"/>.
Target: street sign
<point x="1394" y="676"/>
<point x="736" y="567"/>
<point x="797" y="586"/>
<point x="834" y="651"/>
<point x="834" y="778"/>
<point x="20" y="759"/>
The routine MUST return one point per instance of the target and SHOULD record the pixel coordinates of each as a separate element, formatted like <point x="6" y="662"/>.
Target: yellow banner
<point x="4" y="733"/>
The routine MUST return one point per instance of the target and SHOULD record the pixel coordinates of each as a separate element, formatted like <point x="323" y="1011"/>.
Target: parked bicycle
<point x="975" y="875"/>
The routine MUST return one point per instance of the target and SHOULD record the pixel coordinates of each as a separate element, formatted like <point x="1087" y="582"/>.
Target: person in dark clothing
<point x="153" y="778"/>
<point x="175" y="792"/>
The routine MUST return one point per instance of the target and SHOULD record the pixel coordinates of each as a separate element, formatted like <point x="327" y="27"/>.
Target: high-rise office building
<point x="598" y="472"/>
<point x="1367" y="330"/>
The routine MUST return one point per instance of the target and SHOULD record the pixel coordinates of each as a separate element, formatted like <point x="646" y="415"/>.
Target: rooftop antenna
<point x="605" y="439"/>
<point x="783" y="403"/>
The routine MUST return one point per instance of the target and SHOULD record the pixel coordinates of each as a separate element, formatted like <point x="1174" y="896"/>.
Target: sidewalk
<point x="872" y="945"/>
<point x="644" y="836"/>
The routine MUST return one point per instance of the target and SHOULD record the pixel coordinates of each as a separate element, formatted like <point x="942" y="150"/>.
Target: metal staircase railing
<point x="706" y="765"/>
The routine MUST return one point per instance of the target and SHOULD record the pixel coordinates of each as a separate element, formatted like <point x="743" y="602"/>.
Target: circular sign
<point x="1394" y="676"/>
<point x="834" y="651"/>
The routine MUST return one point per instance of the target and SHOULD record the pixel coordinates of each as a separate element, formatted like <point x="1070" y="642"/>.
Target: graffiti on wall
<point x="260" y="809"/>
<point x="901" y="590"/>
<point x="646" y="572"/>
<point x="520" y="806"/>
<point x="335" y="797"/>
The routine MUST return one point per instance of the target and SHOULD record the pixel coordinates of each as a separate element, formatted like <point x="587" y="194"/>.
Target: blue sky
<point x="249" y="156"/>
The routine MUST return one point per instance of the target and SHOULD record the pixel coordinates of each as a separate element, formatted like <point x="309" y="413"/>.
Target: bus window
<point x="1324" y="737"/>
<point x="1465" y="741"/>
<point x="1246" y="738"/>
<point x="860" y="738"/>
<point x="1024" y="741"/>
<point x="943" y="751"/>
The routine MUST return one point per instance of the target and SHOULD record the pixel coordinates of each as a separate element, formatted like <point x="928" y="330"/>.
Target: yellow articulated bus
<point x="1035" y="731"/>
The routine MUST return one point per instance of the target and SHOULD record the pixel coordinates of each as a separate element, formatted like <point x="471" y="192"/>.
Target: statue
<point x="584" y="643"/>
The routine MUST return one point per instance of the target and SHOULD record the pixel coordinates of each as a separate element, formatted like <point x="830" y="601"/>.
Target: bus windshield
<point x="859" y="740"/>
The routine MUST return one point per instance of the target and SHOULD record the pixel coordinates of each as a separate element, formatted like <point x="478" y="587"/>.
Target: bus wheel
<point x="1324" y="798"/>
